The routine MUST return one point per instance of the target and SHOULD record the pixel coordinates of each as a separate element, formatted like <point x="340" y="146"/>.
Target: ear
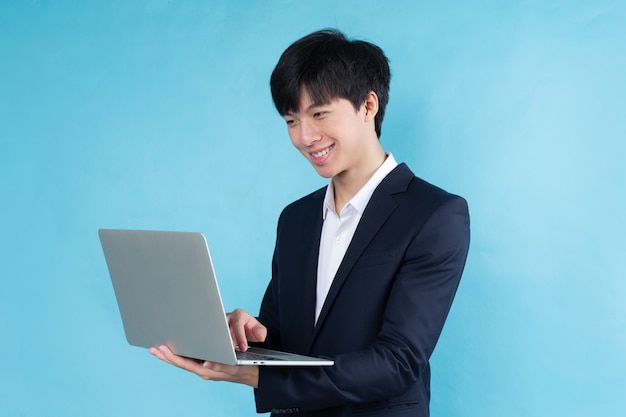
<point x="371" y="106"/>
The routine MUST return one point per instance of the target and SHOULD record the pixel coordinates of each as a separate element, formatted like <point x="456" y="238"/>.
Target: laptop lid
<point x="167" y="294"/>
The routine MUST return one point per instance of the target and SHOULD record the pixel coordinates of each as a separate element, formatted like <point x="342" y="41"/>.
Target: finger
<point x="258" y="332"/>
<point x="239" y="337"/>
<point x="165" y="354"/>
<point x="245" y="328"/>
<point x="156" y="351"/>
<point x="237" y="322"/>
<point x="232" y="337"/>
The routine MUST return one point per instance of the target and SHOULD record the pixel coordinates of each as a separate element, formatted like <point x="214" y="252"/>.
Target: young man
<point x="364" y="270"/>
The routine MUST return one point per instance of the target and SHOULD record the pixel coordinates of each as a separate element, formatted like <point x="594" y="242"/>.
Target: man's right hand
<point x="245" y="328"/>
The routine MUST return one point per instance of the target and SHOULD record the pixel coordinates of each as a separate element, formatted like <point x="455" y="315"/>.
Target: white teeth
<point x="322" y="152"/>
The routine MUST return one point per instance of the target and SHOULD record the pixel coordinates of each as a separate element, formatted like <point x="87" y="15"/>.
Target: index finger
<point x="243" y="328"/>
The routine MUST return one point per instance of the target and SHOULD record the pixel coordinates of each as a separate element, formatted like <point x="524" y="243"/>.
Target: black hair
<point x="327" y="65"/>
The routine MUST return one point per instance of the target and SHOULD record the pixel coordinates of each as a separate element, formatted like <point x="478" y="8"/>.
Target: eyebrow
<point x="293" y="113"/>
<point x="312" y="106"/>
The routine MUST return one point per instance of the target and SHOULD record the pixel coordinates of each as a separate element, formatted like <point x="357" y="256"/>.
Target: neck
<point x="348" y="183"/>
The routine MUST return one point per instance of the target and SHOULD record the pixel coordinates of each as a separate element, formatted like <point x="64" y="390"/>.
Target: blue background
<point x="157" y="115"/>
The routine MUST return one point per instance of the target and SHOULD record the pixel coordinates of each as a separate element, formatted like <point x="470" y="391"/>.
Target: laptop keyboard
<point x="252" y="356"/>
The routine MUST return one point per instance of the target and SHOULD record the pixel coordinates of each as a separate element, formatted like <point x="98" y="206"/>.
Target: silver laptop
<point x="167" y="294"/>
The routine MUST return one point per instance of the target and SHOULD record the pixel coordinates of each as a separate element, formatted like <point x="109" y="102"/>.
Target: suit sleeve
<point x="420" y="298"/>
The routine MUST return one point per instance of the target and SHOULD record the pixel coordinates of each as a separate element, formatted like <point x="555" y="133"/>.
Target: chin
<point x="324" y="172"/>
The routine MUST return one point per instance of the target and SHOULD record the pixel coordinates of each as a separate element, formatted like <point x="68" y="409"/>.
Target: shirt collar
<point x="362" y="197"/>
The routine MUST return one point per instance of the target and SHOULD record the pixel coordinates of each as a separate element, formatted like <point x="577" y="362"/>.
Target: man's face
<point x="330" y="136"/>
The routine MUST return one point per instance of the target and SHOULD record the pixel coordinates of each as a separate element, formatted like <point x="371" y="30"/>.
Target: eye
<point x="319" y="114"/>
<point x="290" y="122"/>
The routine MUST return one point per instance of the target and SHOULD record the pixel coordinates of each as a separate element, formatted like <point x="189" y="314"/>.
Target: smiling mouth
<point x="322" y="152"/>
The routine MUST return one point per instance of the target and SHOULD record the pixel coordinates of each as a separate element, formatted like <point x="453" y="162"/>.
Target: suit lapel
<point x="379" y="208"/>
<point x="310" y="283"/>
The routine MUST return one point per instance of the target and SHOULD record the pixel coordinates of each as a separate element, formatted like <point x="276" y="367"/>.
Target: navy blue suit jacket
<point x="385" y="309"/>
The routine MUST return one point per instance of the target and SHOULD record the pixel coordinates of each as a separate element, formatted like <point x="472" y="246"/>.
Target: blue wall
<point x="157" y="114"/>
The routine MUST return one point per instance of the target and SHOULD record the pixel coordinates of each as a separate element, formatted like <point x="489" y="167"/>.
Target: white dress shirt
<point x="338" y="229"/>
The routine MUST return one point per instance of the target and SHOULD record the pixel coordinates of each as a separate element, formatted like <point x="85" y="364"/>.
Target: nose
<point x="309" y="133"/>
